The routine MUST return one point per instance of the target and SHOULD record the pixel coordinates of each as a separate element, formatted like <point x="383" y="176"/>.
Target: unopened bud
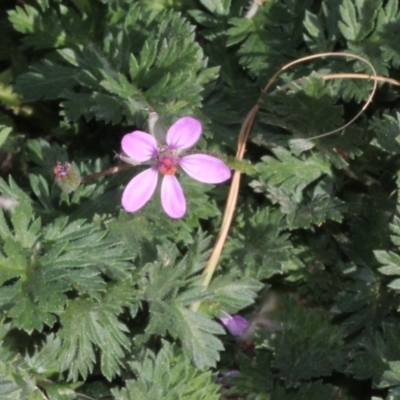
<point x="157" y="128"/>
<point x="67" y="176"/>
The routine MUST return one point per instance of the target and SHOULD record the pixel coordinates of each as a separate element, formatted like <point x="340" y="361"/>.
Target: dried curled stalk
<point x="212" y="263"/>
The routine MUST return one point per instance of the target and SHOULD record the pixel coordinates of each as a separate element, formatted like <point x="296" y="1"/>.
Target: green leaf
<point x="230" y="294"/>
<point x="41" y="189"/>
<point x="169" y="291"/>
<point x="392" y="376"/>
<point x="39" y="265"/>
<point x="376" y="355"/>
<point x="219" y="7"/>
<point x="48" y="27"/>
<point x="155" y="62"/>
<point x="43" y="360"/>
<point x="316" y="206"/>
<point x="4" y="133"/>
<point x="306" y="110"/>
<point x="391" y="266"/>
<point x="13" y="191"/>
<point x="36" y="304"/>
<point x="266" y="250"/>
<point x="13" y="262"/>
<point x="316" y="37"/>
<point x="197" y="334"/>
<point x="349" y="26"/>
<point x="16" y="381"/>
<point x="387" y="133"/>
<point x="241" y="28"/>
<point x="308" y="391"/>
<point x="168" y="375"/>
<point x="360" y="304"/>
<point x="47" y="81"/>
<point x="358" y="18"/>
<point x="93" y="106"/>
<point x="386" y="23"/>
<point x="291" y="173"/>
<point x="9" y="389"/>
<point x="23" y="19"/>
<point x="263" y="44"/>
<point x="26" y="230"/>
<point x="45" y="156"/>
<point x="87" y="325"/>
<point x="390" y="260"/>
<point x="195" y="331"/>
<point x="311" y="345"/>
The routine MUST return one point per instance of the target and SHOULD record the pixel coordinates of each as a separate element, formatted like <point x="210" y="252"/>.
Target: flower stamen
<point x="167" y="166"/>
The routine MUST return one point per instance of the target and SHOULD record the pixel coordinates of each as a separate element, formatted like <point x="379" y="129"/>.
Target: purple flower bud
<point x="235" y="324"/>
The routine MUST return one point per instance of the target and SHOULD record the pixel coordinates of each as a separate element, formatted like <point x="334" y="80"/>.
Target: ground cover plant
<point x="199" y="199"/>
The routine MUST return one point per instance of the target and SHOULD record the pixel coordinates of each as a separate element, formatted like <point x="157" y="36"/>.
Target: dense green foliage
<point x="95" y="302"/>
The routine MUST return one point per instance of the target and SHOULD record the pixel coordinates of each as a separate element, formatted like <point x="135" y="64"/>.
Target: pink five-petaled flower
<point x="141" y="147"/>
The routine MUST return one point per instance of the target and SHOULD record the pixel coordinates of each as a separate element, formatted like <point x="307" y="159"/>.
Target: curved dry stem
<point x="230" y="203"/>
<point x="378" y="78"/>
<point x="242" y="140"/>
<point x="321" y="55"/>
<point x="326" y="77"/>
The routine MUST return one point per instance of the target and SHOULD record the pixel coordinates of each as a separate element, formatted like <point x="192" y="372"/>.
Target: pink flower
<point x="167" y="159"/>
<point x="235" y="324"/>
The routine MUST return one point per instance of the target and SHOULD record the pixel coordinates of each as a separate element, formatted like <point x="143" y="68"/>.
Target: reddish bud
<point x="67" y="176"/>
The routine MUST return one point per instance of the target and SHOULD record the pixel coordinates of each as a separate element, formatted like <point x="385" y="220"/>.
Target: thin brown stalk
<point x="109" y="171"/>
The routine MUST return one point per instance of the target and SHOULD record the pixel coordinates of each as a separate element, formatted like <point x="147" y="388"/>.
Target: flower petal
<point x="140" y="146"/>
<point x="205" y="168"/>
<point x="235" y="324"/>
<point x="139" y="190"/>
<point x="184" y="133"/>
<point x="172" y="197"/>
